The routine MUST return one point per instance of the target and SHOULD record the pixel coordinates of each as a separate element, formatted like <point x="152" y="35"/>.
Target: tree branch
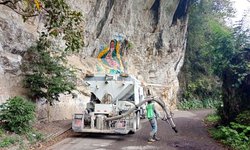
<point x="12" y="5"/>
<point x="5" y="2"/>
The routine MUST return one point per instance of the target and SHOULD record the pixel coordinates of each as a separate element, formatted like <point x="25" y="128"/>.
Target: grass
<point x="198" y="104"/>
<point x="213" y="118"/>
<point x="7" y="141"/>
<point x="22" y="141"/>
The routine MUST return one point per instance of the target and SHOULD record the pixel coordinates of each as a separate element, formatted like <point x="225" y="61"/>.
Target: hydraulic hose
<point x="167" y="117"/>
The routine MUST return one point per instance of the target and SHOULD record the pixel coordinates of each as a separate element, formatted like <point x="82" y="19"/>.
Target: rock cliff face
<point x="155" y="29"/>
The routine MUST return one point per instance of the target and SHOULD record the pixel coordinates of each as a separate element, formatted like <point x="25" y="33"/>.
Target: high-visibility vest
<point x="150" y="111"/>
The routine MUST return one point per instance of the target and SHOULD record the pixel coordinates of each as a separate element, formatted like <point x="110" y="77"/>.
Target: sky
<point x="240" y="7"/>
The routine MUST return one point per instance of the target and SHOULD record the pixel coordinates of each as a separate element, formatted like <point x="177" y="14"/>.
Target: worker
<point x="152" y="117"/>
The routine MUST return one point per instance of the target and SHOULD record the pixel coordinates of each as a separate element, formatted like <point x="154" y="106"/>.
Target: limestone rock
<point x="157" y="36"/>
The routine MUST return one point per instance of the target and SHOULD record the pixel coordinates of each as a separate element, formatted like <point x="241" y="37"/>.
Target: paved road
<point x="192" y="136"/>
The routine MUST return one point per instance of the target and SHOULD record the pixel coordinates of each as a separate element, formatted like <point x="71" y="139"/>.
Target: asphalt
<point x="192" y="135"/>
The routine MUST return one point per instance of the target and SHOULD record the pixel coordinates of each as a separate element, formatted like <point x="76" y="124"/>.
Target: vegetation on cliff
<point x="17" y="115"/>
<point x="44" y="66"/>
<point x="205" y="53"/>
<point x="217" y="67"/>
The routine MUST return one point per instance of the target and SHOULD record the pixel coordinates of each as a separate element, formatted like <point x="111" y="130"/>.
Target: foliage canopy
<point x="210" y="45"/>
<point x="46" y="75"/>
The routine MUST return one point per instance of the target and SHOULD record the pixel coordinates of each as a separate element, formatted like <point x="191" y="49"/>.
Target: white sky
<point x="241" y="6"/>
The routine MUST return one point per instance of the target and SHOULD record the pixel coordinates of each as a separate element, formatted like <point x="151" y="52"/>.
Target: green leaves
<point x="17" y="113"/>
<point x="58" y="17"/>
<point x="235" y="135"/>
<point x="198" y="104"/>
<point x="221" y="38"/>
<point x="46" y="76"/>
<point x="209" y="48"/>
<point x="49" y="77"/>
<point x="62" y="21"/>
<point x="244" y="118"/>
<point x="7" y="141"/>
<point x="213" y="118"/>
<point x="239" y="67"/>
<point x="45" y="65"/>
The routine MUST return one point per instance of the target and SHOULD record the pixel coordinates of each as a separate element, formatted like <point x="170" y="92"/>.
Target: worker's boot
<point x="151" y="139"/>
<point x="156" y="138"/>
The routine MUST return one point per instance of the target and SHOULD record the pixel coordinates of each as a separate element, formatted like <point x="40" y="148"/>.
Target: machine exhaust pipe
<point x="168" y="118"/>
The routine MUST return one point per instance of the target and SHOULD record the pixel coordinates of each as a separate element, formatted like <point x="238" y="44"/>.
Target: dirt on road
<point x="192" y="135"/>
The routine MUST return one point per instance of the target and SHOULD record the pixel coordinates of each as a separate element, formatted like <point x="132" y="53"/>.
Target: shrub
<point x="211" y="103"/>
<point x="17" y="114"/>
<point x="197" y="104"/>
<point x="192" y="104"/>
<point x="213" y="118"/>
<point x="236" y="135"/>
<point x="243" y="118"/>
<point x="7" y="141"/>
<point x="33" y="137"/>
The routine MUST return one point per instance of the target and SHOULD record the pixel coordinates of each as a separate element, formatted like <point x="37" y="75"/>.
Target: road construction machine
<point x="116" y="105"/>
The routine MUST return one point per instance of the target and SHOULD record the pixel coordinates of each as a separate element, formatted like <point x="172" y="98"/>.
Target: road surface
<point x="192" y="135"/>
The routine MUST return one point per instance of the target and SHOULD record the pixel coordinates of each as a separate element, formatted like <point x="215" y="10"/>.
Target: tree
<point x="46" y="74"/>
<point x="216" y="52"/>
<point x="236" y="77"/>
<point x="236" y="85"/>
<point x="58" y="18"/>
<point x="203" y="54"/>
<point x="242" y="33"/>
<point x="220" y="47"/>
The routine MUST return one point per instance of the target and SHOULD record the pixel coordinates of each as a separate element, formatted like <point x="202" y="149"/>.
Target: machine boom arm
<point x="162" y="104"/>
